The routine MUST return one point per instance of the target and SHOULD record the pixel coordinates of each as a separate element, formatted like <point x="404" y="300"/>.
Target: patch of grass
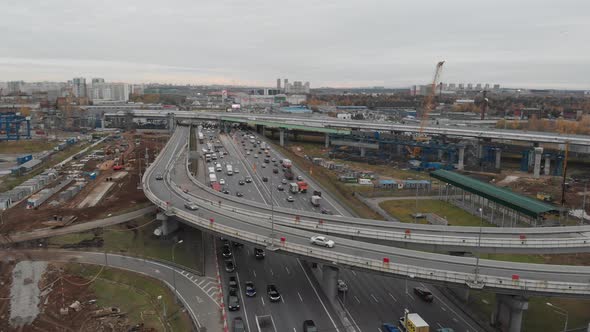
<point x="403" y="209"/>
<point x="25" y="146"/>
<point x="70" y="238"/>
<point x="136" y="295"/>
<point x="140" y="241"/>
<point x="537" y="259"/>
<point x="539" y="316"/>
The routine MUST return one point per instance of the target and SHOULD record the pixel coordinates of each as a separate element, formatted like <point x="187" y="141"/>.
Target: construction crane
<point x="428" y="106"/>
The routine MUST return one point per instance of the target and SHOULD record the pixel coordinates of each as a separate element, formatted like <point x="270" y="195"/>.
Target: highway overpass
<point x="500" y="277"/>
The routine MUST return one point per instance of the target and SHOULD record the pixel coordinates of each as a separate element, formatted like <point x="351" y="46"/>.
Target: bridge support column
<point x="461" y="161"/>
<point x="547" y="165"/>
<point x="282" y="137"/>
<point x="329" y="280"/>
<point x="168" y="226"/>
<point x="363" y="152"/>
<point x="537" y="165"/>
<point x="398" y="149"/>
<point x="509" y="310"/>
<point x="498" y="158"/>
<point x="264" y="131"/>
<point x="440" y="155"/>
<point x="327" y="143"/>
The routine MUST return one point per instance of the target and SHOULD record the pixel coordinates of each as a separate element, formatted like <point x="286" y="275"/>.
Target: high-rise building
<point x="286" y="85"/>
<point x="496" y="86"/>
<point x="461" y="86"/>
<point x="469" y="86"/>
<point x="278" y="83"/>
<point x="79" y="87"/>
<point x="14" y="86"/>
<point x="478" y="86"/>
<point x="110" y="91"/>
<point x="97" y="80"/>
<point x="487" y="86"/>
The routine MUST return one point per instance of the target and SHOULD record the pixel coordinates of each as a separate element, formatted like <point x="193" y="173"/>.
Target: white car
<point x="320" y="240"/>
<point x="236" y="170"/>
<point x="290" y="199"/>
<point x="248" y="153"/>
<point x="222" y="182"/>
<point x="191" y="206"/>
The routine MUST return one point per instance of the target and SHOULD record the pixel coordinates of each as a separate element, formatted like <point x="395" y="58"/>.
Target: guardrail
<point x="406" y="235"/>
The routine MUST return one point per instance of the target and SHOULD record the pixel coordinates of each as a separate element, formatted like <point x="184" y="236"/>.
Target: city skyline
<point x="529" y="44"/>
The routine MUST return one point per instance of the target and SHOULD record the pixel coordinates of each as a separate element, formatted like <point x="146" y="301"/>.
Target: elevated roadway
<point x="416" y="236"/>
<point x="500" y="277"/>
<point x="333" y="125"/>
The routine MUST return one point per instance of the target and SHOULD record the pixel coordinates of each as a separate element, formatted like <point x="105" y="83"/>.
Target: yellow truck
<point x="412" y="322"/>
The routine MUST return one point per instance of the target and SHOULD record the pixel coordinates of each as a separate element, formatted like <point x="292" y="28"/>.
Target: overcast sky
<point x="517" y="43"/>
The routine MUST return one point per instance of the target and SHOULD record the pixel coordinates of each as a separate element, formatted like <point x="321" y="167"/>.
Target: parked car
<point x="259" y="253"/>
<point x="424" y="294"/>
<point x="320" y="240"/>
<point x="191" y="206"/>
<point x="250" y="288"/>
<point x="273" y="293"/>
<point x="229" y="266"/>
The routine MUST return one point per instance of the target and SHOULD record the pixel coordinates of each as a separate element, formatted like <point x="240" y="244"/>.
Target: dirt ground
<point x="123" y="196"/>
<point x="62" y="290"/>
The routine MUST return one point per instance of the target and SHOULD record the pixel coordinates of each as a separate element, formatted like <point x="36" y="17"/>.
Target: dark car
<point x="259" y="253"/>
<point x="280" y="188"/>
<point x="233" y="301"/>
<point x="159" y="177"/>
<point x="424" y="294"/>
<point x="239" y="194"/>
<point x="250" y="289"/>
<point x="266" y="160"/>
<point x="275" y="170"/>
<point x="239" y="325"/>
<point x="226" y="252"/>
<point x="264" y="179"/>
<point x="226" y="192"/>
<point x="233" y="283"/>
<point x="309" y="326"/>
<point x="229" y="265"/>
<point x="241" y="183"/>
<point x="273" y="293"/>
<point x="248" y="179"/>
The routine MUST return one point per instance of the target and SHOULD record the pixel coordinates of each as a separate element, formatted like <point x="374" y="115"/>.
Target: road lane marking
<point x="443" y="308"/>
<point x="455" y="320"/>
<point x="393" y="297"/>
<point x="254" y="272"/>
<point x="353" y="273"/>
<point x="243" y="302"/>
<point x="272" y="273"/>
<point x="374" y="298"/>
<point x="262" y="299"/>
<point x="357" y="299"/>
<point x="283" y="298"/>
<point x="440" y="326"/>
<point x="286" y="268"/>
<point x="300" y="298"/>
<point x="318" y="296"/>
<point x="453" y="311"/>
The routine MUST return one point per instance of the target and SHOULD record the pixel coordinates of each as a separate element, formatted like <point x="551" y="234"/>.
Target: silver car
<point x="191" y="206"/>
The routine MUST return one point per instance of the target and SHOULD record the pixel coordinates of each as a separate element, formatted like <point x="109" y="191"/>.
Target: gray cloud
<point x="347" y="43"/>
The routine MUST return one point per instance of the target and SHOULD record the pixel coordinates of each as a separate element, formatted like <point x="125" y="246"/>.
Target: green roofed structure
<point x="491" y="196"/>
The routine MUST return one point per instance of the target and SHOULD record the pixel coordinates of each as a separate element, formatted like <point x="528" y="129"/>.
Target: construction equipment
<point x="428" y="106"/>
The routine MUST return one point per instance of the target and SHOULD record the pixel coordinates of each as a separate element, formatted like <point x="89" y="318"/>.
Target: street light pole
<point x="174" y="269"/>
<point x="560" y="311"/>
<point x="584" y="201"/>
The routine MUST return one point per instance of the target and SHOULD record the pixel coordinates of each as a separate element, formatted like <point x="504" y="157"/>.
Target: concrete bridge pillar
<point x="282" y="137"/>
<point x="168" y="226"/>
<point x="537" y="164"/>
<point x="461" y="161"/>
<point x="509" y="310"/>
<point x="329" y="280"/>
<point x="363" y="152"/>
<point x="264" y="131"/>
<point x="547" y="165"/>
<point x="399" y="148"/>
<point x="498" y="158"/>
<point x="327" y="143"/>
<point x="440" y="155"/>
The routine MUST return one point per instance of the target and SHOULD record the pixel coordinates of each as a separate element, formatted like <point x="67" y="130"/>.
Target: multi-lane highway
<point x="371" y="299"/>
